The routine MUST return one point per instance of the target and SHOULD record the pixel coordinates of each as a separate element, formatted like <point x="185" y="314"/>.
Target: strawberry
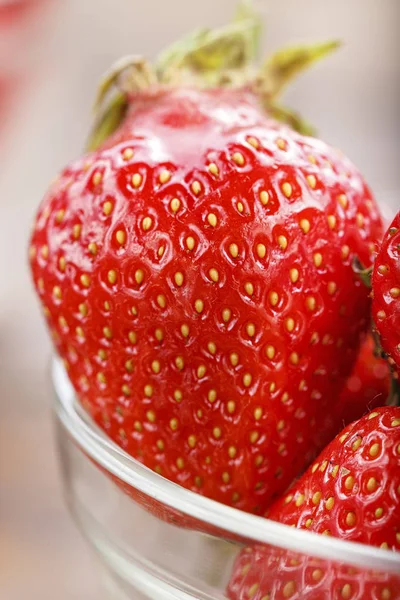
<point x="266" y="573"/>
<point x="352" y="491"/>
<point x="386" y="293"/>
<point x="195" y="272"/>
<point x="368" y="385"/>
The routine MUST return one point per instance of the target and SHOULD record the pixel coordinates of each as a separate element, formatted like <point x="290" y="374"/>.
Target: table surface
<point x="42" y="556"/>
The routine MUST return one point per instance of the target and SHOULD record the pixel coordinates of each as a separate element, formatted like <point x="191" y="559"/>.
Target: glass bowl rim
<point x="238" y="523"/>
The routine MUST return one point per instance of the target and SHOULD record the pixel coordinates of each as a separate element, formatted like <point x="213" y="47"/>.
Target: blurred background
<point x="51" y="58"/>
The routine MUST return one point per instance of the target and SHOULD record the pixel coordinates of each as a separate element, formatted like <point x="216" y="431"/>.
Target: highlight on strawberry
<point x="194" y="267"/>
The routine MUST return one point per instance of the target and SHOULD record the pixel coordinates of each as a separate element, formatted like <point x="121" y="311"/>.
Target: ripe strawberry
<point x="386" y="293"/>
<point x="273" y="574"/>
<point x="195" y="271"/>
<point x="352" y="491"/>
<point x="368" y="385"/>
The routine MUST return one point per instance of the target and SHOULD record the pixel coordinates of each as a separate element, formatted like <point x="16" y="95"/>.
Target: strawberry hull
<point x="196" y="276"/>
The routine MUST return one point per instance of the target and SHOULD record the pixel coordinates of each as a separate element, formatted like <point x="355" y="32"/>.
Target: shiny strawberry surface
<point x="195" y="273"/>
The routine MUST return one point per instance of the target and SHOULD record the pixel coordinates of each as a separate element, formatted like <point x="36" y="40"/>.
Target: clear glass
<point x="156" y="540"/>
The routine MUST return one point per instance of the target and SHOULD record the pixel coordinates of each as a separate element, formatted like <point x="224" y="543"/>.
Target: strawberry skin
<point x="368" y="385"/>
<point x="195" y="272"/>
<point x="273" y="574"/>
<point x="352" y="491"/>
<point x="386" y="293"/>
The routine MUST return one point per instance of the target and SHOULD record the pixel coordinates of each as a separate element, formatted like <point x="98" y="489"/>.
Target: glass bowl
<point x="156" y="540"/>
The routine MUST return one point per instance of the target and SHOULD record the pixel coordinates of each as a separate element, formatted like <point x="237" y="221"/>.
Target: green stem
<point x="126" y="77"/>
<point x="108" y="121"/>
<point x="364" y="273"/>
<point x="394" y="392"/>
<point x="290" y="117"/>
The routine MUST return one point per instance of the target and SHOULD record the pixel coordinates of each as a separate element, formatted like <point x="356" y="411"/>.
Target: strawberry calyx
<point x="212" y="58"/>
<point x="279" y="70"/>
<point x="128" y="76"/>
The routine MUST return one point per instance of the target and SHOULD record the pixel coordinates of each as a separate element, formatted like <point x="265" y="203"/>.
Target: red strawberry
<point x="352" y="491"/>
<point x="368" y="385"/>
<point x="263" y="573"/>
<point x="195" y="272"/>
<point x="386" y="293"/>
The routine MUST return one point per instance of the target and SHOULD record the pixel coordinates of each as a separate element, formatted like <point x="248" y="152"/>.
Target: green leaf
<point x="246" y="11"/>
<point x="290" y="117"/>
<point x="363" y="273"/>
<point x="208" y="53"/>
<point x="129" y="75"/>
<point x="109" y="80"/>
<point x="172" y="56"/>
<point x="283" y="66"/>
<point x="108" y="121"/>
